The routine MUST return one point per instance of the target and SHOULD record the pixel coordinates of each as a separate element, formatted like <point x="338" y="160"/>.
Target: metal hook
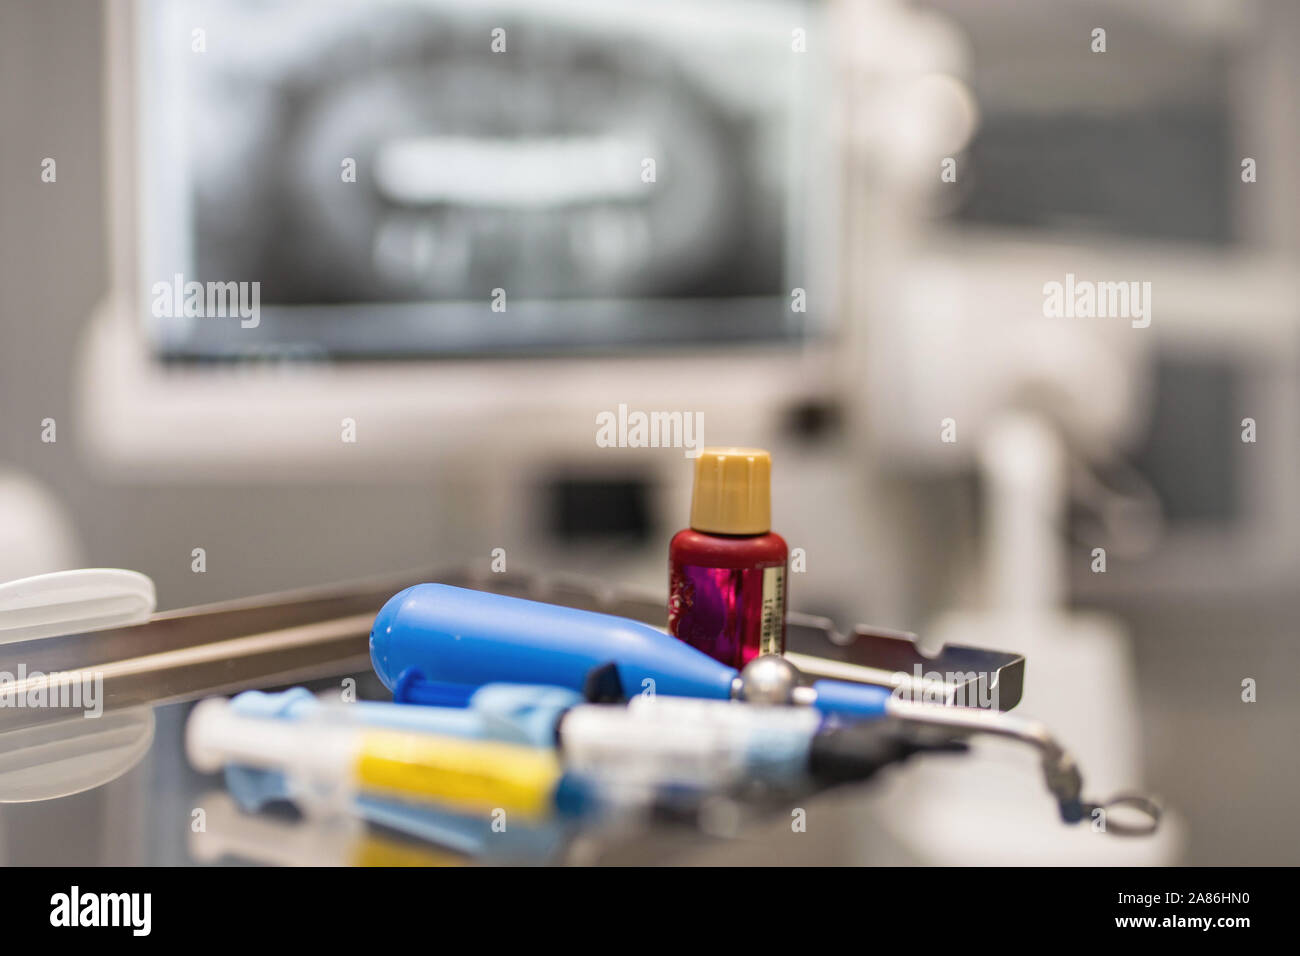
<point x="1135" y="801"/>
<point x="1060" y="771"/>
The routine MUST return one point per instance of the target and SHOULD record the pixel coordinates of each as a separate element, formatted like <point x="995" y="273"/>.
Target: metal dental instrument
<point x="462" y="636"/>
<point x="774" y="680"/>
<point x="1060" y="771"/>
<point x="306" y="634"/>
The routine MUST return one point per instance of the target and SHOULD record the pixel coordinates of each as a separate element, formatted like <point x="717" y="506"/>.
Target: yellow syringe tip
<point x="474" y="776"/>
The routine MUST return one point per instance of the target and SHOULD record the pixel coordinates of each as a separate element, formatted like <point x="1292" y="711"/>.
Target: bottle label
<point x="731" y="614"/>
<point x="772" y="635"/>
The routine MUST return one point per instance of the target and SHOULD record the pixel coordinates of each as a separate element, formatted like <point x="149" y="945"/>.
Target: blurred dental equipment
<point x="965" y="373"/>
<point x="470" y="637"/>
<point x="463" y="636"/>
<point x="654" y="745"/>
<point x="328" y="765"/>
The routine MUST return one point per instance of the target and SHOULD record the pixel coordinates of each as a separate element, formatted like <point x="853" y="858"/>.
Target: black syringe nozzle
<point x="855" y="752"/>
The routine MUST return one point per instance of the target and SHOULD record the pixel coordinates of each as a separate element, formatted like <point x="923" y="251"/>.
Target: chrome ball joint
<point x="771" y="680"/>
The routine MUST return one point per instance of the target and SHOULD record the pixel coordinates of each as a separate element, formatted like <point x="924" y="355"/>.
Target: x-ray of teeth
<point x="386" y="160"/>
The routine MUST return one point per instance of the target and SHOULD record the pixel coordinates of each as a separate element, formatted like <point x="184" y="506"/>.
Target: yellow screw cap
<point x="733" y="491"/>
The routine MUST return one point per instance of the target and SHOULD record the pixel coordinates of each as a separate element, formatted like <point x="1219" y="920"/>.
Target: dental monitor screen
<point x="435" y="178"/>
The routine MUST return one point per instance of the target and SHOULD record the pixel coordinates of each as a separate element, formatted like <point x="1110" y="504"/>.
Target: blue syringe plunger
<point x="458" y="636"/>
<point x="475" y="637"/>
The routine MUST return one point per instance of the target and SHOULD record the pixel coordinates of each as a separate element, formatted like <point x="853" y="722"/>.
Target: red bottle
<point x="727" y="572"/>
